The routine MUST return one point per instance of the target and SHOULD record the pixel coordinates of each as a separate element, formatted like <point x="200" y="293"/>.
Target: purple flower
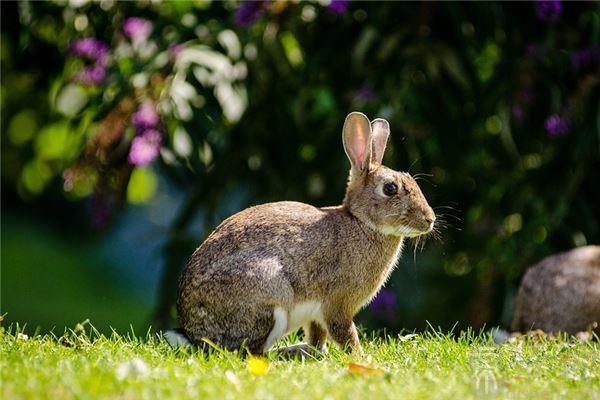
<point x="95" y="51"/>
<point x="584" y="57"/>
<point x="174" y="50"/>
<point x="548" y="10"/>
<point x="68" y="180"/>
<point x="338" y="6"/>
<point x="137" y="28"/>
<point x="92" y="75"/>
<point x="580" y="58"/>
<point x="248" y="12"/>
<point x="145" y="117"/>
<point x="145" y="147"/>
<point x="556" y="125"/>
<point x="90" y="49"/>
<point x="365" y="94"/>
<point x="384" y="301"/>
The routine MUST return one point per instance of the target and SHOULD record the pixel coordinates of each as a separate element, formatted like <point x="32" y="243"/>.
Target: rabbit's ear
<point x="357" y="141"/>
<point x="380" y="129"/>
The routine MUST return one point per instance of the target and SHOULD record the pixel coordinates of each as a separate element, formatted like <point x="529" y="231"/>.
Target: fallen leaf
<point x="257" y="366"/>
<point x="365" y="370"/>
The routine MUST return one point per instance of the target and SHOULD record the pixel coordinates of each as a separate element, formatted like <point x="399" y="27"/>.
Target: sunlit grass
<point x="85" y="364"/>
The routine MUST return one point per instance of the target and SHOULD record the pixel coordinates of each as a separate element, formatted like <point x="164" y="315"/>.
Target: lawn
<point x="85" y="364"/>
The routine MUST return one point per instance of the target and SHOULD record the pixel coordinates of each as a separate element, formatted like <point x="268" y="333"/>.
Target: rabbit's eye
<point x="390" y="189"/>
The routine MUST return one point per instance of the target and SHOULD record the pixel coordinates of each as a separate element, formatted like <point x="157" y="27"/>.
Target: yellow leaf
<point x="365" y="370"/>
<point x="257" y="366"/>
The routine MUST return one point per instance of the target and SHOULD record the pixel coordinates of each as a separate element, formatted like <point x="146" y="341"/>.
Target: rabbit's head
<point x="386" y="200"/>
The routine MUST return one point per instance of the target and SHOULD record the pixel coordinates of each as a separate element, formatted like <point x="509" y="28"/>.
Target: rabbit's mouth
<point x="403" y="230"/>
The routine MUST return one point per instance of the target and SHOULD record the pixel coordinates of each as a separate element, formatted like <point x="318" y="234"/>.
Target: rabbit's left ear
<point x="380" y="131"/>
<point x="356" y="137"/>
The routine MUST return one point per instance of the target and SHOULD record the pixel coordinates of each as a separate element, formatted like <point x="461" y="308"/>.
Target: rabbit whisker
<point x="412" y="165"/>
<point x="423" y="177"/>
<point x="421" y="174"/>
<point x="442" y="222"/>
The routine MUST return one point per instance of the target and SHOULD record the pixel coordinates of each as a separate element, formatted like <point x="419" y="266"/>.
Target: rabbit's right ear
<point x="380" y="130"/>
<point x="357" y="141"/>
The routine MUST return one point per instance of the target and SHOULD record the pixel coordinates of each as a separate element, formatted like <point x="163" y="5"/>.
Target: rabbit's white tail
<point x="500" y="335"/>
<point x="177" y="338"/>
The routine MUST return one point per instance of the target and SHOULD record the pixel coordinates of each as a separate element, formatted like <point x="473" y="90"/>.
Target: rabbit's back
<point x="561" y="293"/>
<point x="283" y="232"/>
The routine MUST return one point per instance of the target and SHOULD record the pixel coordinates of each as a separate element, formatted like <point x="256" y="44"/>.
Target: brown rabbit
<point x="561" y="293"/>
<point x="273" y="268"/>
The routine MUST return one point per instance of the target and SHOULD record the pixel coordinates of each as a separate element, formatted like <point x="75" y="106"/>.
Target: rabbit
<point x="273" y="268"/>
<point x="561" y="293"/>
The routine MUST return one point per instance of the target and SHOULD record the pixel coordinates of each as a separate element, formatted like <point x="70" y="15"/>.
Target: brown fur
<point x="561" y="293"/>
<point x="282" y="254"/>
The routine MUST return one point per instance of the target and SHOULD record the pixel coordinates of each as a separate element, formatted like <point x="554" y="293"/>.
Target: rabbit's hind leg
<point x="253" y="326"/>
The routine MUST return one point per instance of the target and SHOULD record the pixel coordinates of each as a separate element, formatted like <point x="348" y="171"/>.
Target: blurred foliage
<point x="49" y="290"/>
<point x="497" y="104"/>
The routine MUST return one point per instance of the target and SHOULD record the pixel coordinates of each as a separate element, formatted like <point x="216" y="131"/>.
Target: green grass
<point x="85" y="364"/>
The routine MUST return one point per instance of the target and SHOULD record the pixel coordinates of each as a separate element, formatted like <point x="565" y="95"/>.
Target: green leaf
<point x="55" y="141"/>
<point x="142" y="186"/>
<point x="22" y="127"/>
<point x="35" y="176"/>
<point x="292" y="49"/>
<point x="487" y="60"/>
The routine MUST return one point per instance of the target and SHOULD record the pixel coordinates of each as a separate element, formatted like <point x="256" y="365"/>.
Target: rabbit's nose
<point x="430" y="219"/>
